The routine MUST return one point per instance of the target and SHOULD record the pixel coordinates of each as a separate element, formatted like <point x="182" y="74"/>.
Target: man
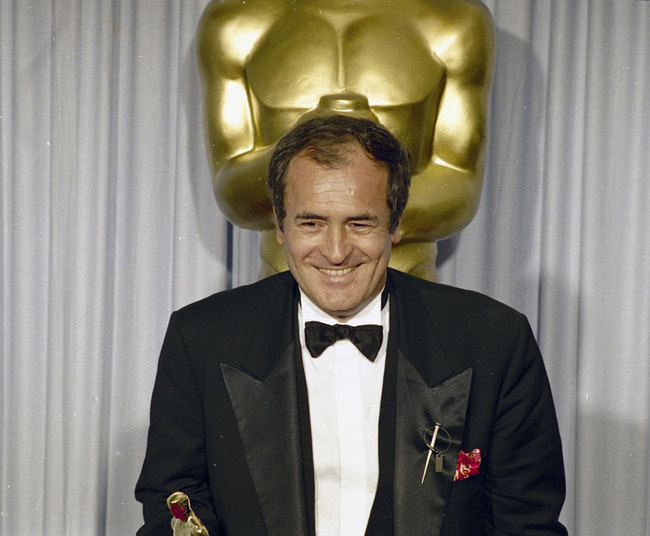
<point x="446" y="426"/>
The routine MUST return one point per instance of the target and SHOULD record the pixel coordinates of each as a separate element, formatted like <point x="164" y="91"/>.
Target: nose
<point x="336" y="246"/>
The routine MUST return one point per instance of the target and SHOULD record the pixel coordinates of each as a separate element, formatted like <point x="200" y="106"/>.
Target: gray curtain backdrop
<point x="108" y="224"/>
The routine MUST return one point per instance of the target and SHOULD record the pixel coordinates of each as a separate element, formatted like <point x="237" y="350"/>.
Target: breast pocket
<point x="465" y="489"/>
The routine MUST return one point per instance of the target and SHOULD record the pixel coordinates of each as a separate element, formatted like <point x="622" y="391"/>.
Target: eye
<point x="360" y="226"/>
<point x="310" y="225"/>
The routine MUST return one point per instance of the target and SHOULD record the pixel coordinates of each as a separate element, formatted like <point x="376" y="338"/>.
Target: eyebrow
<point x="308" y="216"/>
<point x="313" y="216"/>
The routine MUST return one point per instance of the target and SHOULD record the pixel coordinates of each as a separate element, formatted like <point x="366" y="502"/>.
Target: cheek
<point x="296" y="248"/>
<point x="378" y="248"/>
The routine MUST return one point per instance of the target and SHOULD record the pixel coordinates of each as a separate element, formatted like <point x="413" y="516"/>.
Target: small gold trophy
<point x="184" y="521"/>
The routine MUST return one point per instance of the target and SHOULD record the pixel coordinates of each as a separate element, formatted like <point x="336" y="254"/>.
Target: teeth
<point x="336" y="272"/>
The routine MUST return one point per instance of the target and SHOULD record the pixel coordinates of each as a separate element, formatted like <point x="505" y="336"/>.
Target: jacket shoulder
<point x="235" y="314"/>
<point x="243" y="299"/>
<point x="452" y="300"/>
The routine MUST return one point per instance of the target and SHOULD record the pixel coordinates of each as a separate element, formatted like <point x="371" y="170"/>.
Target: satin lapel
<point x="267" y="417"/>
<point x="419" y="507"/>
<point x="264" y="399"/>
<point x="428" y="391"/>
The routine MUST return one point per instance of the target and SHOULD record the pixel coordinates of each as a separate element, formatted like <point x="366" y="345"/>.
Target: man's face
<point x="336" y="231"/>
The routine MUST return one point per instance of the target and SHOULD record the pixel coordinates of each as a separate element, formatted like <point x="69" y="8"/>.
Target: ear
<point x="279" y="235"/>
<point x="397" y="233"/>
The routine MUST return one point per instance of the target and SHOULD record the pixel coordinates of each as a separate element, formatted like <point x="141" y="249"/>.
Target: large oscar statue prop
<point x="423" y="68"/>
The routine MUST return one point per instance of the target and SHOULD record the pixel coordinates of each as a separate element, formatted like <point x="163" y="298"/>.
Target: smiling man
<point x="336" y="232"/>
<point x="343" y="397"/>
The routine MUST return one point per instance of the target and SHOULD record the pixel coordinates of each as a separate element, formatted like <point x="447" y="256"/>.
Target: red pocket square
<point x="467" y="465"/>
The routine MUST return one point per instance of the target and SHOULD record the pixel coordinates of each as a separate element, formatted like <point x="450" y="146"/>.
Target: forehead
<point x="355" y="180"/>
<point x="335" y="157"/>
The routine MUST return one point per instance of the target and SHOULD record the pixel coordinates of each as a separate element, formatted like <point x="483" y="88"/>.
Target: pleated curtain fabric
<point x="108" y="223"/>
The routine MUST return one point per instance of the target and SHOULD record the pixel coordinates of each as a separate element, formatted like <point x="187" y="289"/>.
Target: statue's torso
<point x="313" y="50"/>
<point x="268" y="63"/>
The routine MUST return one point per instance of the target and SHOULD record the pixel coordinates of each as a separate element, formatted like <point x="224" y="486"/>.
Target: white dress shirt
<point x="344" y="390"/>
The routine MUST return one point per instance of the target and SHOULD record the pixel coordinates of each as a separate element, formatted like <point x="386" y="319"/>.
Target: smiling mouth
<point x="340" y="271"/>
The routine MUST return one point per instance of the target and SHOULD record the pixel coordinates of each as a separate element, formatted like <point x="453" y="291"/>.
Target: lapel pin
<point x="431" y="445"/>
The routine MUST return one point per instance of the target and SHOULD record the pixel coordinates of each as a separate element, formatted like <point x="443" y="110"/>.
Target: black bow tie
<point x="366" y="338"/>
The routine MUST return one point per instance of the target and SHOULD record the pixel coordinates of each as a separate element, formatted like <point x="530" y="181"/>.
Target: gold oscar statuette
<point x="184" y="521"/>
<point x="422" y="68"/>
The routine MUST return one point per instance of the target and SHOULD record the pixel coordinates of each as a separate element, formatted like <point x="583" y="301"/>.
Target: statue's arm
<point x="445" y="194"/>
<point x="226" y="37"/>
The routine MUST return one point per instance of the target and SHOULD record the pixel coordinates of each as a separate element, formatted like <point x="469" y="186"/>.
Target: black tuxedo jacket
<point x="230" y="423"/>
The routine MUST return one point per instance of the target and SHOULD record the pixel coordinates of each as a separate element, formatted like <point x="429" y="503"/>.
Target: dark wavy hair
<point x="326" y="140"/>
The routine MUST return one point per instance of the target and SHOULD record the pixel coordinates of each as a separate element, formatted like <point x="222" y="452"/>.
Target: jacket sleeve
<point x="524" y="485"/>
<point x="175" y="459"/>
